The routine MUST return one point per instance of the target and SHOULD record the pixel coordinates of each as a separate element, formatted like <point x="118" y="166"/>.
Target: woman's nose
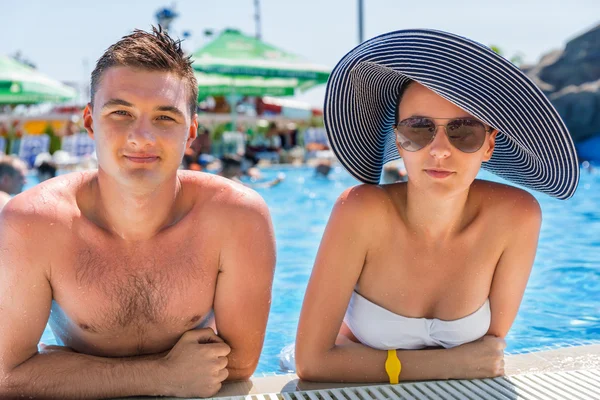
<point x="440" y="147"/>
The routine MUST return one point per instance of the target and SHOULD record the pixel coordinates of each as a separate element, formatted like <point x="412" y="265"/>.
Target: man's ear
<point x="193" y="132"/>
<point x="491" y="145"/>
<point x="88" y="122"/>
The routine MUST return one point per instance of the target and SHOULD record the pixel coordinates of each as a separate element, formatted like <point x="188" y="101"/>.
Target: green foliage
<point x="55" y="141"/>
<point x="217" y="133"/>
<point x="516" y="59"/>
<point x="496" y="49"/>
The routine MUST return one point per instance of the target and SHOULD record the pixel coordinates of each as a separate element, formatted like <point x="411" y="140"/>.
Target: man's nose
<point x="142" y="133"/>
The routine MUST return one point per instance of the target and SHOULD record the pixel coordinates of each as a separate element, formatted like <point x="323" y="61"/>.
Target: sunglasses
<point x="465" y="134"/>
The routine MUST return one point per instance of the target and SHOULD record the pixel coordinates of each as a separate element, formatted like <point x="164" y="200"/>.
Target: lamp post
<point x="165" y="17"/>
<point x="360" y="21"/>
<point x="257" y="18"/>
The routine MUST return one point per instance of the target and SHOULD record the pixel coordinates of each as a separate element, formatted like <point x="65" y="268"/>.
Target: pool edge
<point x="556" y="360"/>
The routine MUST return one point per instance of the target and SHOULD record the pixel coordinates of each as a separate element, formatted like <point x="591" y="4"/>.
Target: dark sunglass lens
<point x="467" y="135"/>
<point x="415" y="133"/>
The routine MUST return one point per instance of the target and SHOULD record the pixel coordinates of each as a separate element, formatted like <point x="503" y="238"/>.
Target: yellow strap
<point x="393" y="366"/>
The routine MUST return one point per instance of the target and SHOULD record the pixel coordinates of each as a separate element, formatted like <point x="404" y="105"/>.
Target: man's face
<point x="141" y="123"/>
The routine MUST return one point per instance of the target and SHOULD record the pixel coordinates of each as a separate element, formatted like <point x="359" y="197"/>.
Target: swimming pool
<point x="561" y="305"/>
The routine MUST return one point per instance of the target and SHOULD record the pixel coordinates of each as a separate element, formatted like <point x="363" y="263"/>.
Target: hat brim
<point x="533" y="145"/>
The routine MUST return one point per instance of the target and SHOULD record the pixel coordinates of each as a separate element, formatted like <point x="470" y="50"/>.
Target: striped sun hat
<point x="533" y="146"/>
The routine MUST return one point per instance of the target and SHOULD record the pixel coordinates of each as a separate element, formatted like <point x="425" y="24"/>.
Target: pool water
<point x="561" y="305"/>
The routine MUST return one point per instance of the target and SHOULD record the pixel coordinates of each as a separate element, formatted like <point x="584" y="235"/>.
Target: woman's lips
<point x="438" y="173"/>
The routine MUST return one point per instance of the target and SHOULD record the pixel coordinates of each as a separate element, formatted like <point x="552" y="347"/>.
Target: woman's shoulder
<point x="367" y="205"/>
<point x="374" y="197"/>
<point x="507" y="201"/>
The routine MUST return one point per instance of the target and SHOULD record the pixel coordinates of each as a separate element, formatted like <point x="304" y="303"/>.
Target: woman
<point x="423" y="279"/>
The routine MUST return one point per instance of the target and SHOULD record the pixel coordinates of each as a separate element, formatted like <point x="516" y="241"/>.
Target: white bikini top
<point x="381" y="329"/>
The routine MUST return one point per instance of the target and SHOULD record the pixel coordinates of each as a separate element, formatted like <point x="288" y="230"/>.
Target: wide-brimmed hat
<point x="533" y="146"/>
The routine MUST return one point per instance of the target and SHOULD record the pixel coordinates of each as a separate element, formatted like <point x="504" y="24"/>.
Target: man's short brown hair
<point x="155" y="51"/>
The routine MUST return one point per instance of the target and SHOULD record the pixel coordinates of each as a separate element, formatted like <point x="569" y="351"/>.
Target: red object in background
<point x="67" y="109"/>
<point x="271" y="107"/>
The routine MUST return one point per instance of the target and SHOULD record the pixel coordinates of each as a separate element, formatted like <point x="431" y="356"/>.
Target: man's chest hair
<point x="138" y="289"/>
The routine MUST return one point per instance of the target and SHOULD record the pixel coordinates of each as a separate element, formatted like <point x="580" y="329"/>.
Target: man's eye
<point x="120" y="112"/>
<point x="166" y="118"/>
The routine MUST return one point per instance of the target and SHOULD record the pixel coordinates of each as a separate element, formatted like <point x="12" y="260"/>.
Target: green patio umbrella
<point x="21" y="84"/>
<point x="222" y="85"/>
<point x="243" y="65"/>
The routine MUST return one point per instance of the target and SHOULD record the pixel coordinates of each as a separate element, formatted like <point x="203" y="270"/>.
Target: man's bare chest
<point x="104" y="288"/>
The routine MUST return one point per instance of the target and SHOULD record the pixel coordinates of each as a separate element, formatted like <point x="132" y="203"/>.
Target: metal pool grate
<point x="580" y="385"/>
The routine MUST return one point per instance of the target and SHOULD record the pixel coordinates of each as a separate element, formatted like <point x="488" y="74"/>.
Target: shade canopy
<point x="21" y="84"/>
<point x="234" y="63"/>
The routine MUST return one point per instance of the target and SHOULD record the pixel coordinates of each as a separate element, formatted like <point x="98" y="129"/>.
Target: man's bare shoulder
<point x="237" y="215"/>
<point x="50" y="202"/>
<point x="221" y="194"/>
<point x="4" y="198"/>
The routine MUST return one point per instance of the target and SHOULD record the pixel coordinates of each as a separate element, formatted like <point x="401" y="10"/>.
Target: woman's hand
<point x="483" y="358"/>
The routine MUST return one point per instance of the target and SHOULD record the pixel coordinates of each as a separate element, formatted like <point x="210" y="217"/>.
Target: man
<point x="202" y="143"/>
<point x="232" y="167"/>
<point x="130" y="262"/>
<point x="46" y="170"/>
<point x="12" y="178"/>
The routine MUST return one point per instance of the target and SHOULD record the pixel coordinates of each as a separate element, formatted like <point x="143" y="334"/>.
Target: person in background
<point x="274" y="136"/>
<point x="46" y="170"/>
<point x="232" y="167"/>
<point x="393" y="172"/>
<point x="190" y="160"/>
<point x="202" y="143"/>
<point x="323" y="168"/>
<point x="13" y="172"/>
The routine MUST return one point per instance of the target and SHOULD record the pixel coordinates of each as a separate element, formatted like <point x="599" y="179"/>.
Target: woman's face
<point x="439" y="166"/>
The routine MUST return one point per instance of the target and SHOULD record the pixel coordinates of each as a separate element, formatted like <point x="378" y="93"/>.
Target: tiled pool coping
<point x="572" y="358"/>
<point x="556" y="346"/>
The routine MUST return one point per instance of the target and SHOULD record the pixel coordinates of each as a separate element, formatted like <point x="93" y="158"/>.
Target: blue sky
<point x="65" y="38"/>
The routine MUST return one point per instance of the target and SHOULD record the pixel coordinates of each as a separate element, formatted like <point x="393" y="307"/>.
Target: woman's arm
<point x="514" y="267"/>
<point x="358" y="221"/>
<point x="337" y="268"/>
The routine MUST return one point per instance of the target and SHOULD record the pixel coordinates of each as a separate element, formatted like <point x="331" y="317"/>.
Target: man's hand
<point x="195" y="366"/>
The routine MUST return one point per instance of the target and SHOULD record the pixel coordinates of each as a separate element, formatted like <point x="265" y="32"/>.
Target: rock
<point x="579" y="106"/>
<point x="579" y="63"/>
<point x="571" y="80"/>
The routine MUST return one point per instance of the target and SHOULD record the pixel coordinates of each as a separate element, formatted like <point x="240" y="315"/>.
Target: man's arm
<point x="194" y="367"/>
<point x="25" y="300"/>
<point x="243" y="292"/>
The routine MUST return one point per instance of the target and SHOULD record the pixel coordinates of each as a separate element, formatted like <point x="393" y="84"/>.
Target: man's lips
<point x="438" y="172"/>
<point x="141" y="158"/>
